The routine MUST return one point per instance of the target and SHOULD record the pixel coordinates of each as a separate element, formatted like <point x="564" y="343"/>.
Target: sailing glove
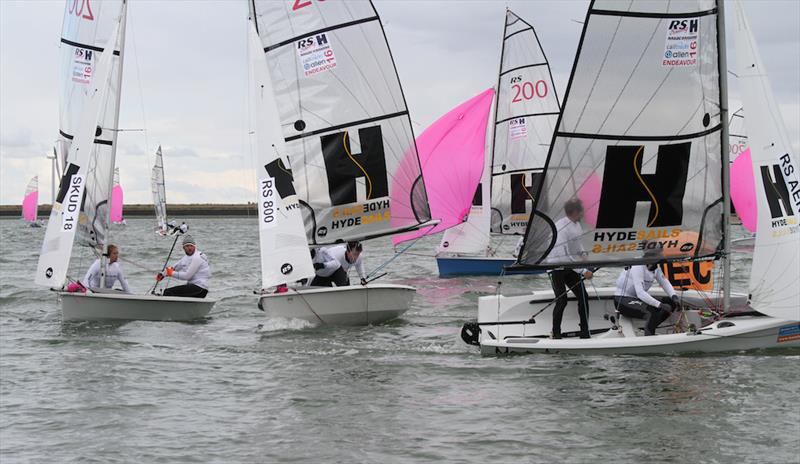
<point x="318" y="266"/>
<point x="159" y="277"/>
<point x="363" y="281"/>
<point x="676" y="303"/>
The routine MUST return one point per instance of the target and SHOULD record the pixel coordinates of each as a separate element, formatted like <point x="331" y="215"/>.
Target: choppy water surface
<point x="229" y="391"/>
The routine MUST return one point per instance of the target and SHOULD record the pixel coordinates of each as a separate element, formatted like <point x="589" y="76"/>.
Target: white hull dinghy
<point x="512" y="324"/>
<point x="656" y="149"/>
<point x="344" y="306"/>
<point x="338" y="167"/>
<point x="121" y="306"/>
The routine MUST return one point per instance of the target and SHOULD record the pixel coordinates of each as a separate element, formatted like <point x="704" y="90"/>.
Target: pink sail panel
<point x="451" y="152"/>
<point x="29" y="205"/>
<point x="116" y="203"/>
<point x="743" y="190"/>
<point x="589" y="194"/>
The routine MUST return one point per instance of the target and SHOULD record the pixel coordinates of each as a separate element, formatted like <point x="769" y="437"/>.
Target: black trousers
<point x="190" y="290"/>
<point x="339" y="278"/>
<point x="567" y="279"/>
<point x="638" y="309"/>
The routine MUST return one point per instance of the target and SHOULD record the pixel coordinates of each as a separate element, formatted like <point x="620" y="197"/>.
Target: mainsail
<point x="344" y="119"/>
<point x="641" y="120"/>
<point x="527" y="109"/>
<point x="92" y="100"/>
<point x="30" y="202"/>
<point x="116" y="199"/>
<point x="774" y="286"/>
<point x="452" y="153"/>
<point x="737" y="134"/>
<point x="284" y="250"/>
<point x="159" y="191"/>
<point x="86" y="29"/>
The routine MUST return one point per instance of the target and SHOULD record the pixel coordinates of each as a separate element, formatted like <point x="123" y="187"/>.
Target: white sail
<point x="285" y="255"/>
<point x="345" y="122"/>
<point x="737" y="134"/>
<point x="639" y="140"/>
<point x="66" y="213"/>
<point x="30" y="202"/>
<point x="526" y="113"/>
<point x="86" y="30"/>
<point x="775" y="273"/>
<point x="159" y="191"/>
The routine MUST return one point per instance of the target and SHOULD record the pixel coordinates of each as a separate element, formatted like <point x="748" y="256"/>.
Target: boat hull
<point x="122" y="306"/>
<point x="348" y="306"/>
<point x="477" y="266"/>
<point x="506" y="327"/>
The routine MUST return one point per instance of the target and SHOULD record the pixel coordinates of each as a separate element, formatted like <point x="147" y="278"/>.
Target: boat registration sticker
<point x="269" y="203"/>
<point x="82" y="65"/>
<point x="789" y="333"/>
<point x="517" y="128"/>
<point x="682" y="44"/>
<point x="316" y="54"/>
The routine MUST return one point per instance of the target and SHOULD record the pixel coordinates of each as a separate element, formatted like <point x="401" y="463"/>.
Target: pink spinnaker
<point x="29" y="205"/>
<point x="451" y="152"/>
<point x="743" y="190"/>
<point x="116" y="203"/>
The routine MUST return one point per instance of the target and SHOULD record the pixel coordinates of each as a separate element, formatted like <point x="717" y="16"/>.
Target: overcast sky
<point x="185" y="80"/>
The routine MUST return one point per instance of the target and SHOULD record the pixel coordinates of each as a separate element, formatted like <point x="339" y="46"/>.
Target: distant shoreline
<point x="176" y="210"/>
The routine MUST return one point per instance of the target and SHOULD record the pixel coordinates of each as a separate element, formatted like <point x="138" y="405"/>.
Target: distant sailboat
<point x="526" y="108"/>
<point x="30" y="202"/>
<point x="116" y="201"/>
<point x="159" y="191"/>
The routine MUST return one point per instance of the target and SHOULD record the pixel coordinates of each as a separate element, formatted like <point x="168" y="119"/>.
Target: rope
<point x="379" y="268"/>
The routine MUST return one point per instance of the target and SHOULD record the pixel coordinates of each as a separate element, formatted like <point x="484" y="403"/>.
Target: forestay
<point x="87" y="27"/>
<point x="526" y="113"/>
<point x="65" y="214"/>
<point x="30" y="202"/>
<point x="452" y="152"/>
<point x="774" y="276"/>
<point x="348" y="134"/>
<point x="159" y="191"/>
<point x="639" y="138"/>
<point x="284" y="251"/>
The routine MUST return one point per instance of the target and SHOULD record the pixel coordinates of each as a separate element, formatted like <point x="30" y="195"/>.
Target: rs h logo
<point x="624" y="185"/>
<point x="343" y="166"/>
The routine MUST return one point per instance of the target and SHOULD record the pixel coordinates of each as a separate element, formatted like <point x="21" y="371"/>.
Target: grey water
<point x="241" y="388"/>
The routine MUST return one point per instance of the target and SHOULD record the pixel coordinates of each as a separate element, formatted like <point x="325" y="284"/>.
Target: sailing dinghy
<point x="645" y="116"/>
<point x="525" y="112"/>
<point x="30" y="203"/>
<point x="92" y="54"/>
<point x="352" y="161"/>
<point x="159" y="190"/>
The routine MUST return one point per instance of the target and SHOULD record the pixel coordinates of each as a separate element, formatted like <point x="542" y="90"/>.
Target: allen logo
<point x="477" y="199"/>
<point x="344" y="167"/>
<point x="776" y="192"/>
<point x="283" y="177"/>
<point x="624" y="186"/>
<point x="522" y="192"/>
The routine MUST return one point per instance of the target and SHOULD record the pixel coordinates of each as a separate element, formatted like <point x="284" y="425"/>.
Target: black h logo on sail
<point x="477" y="199"/>
<point x="283" y="177"/>
<point x="624" y="185"/>
<point x="777" y="193"/>
<point x="344" y="167"/>
<point x="521" y="193"/>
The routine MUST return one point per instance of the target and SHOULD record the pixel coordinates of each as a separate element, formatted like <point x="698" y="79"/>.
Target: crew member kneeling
<point x="631" y="298"/>
<point x="193" y="268"/>
<point x="333" y="264"/>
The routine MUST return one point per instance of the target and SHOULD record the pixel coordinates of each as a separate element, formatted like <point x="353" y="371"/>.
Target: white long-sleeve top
<point x="636" y="281"/>
<point x="330" y="263"/>
<point x="568" y="246"/>
<point x="194" y="269"/>
<point x="113" y="274"/>
<point x="336" y="255"/>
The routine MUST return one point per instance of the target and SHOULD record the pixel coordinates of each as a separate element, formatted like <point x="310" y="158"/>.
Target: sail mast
<point x="494" y="110"/>
<point x="726" y="181"/>
<point x="114" y="134"/>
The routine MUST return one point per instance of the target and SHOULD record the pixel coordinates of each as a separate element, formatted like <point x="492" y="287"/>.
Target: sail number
<point x="529" y="90"/>
<point x="79" y="10"/>
<point x="267" y="204"/>
<point x="302" y="4"/>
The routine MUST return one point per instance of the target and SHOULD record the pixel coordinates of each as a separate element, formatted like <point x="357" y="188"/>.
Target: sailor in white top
<point x="113" y="272"/>
<point x="631" y="298"/>
<point x="568" y="247"/>
<point x="193" y="268"/>
<point x="333" y="264"/>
